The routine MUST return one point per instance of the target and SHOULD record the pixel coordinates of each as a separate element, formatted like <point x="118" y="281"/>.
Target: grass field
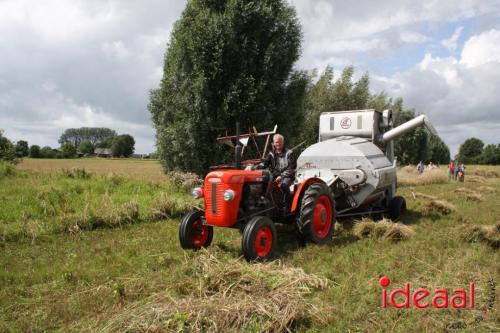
<point x="96" y="249"/>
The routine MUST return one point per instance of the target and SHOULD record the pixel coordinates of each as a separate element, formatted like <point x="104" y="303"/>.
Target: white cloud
<point x="412" y="37"/>
<point x="451" y="43"/>
<point x="481" y="49"/>
<point x="81" y="63"/>
<point x="459" y="95"/>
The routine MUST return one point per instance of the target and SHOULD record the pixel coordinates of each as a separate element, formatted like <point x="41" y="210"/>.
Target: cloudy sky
<point x="80" y="63"/>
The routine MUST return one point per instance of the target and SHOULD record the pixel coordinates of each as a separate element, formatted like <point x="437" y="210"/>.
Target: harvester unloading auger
<point x="350" y="171"/>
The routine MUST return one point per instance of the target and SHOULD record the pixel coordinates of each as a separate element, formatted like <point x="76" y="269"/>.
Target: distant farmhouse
<point x="103" y="152"/>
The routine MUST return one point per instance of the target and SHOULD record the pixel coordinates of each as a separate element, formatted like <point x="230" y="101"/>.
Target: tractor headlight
<point x="228" y="195"/>
<point x="197" y="192"/>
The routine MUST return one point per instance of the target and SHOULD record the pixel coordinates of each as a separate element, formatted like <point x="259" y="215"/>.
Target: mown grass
<point x="120" y="278"/>
<point x="36" y="204"/>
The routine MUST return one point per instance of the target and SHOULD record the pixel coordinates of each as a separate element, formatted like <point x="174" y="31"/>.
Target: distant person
<point x="455" y="171"/>
<point x="452" y="169"/>
<point x="420" y="167"/>
<point x="461" y="173"/>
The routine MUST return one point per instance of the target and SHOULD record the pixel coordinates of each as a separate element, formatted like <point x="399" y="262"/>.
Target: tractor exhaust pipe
<point x="237" y="148"/>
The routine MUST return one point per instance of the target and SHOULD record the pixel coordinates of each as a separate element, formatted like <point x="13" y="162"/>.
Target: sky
<point x="75" y="63"/>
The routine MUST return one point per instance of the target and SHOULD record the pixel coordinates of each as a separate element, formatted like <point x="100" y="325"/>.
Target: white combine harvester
<point x="350" y="171"/>
<point x="355" y="158"/>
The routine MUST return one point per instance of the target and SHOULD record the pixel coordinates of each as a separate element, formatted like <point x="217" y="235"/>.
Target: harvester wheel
<point x="192" y="233"/>
<point x="259" y="239"/>
<point x="397" y="207"/>
<point x="317" y="214"/>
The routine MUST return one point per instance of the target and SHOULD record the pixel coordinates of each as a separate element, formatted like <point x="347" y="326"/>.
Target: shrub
<point x="184" y="180"/>
<point x="76" y="173"/>
<point x="7" y="170"/>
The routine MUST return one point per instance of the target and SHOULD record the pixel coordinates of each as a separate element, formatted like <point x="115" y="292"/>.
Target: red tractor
<point x="249" y="200"/>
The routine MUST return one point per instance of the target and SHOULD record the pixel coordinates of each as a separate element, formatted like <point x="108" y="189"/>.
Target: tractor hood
<point x="235" y="176"/>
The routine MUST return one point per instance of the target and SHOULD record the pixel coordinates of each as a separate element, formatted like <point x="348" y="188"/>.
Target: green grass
<point x="55" y="280"/>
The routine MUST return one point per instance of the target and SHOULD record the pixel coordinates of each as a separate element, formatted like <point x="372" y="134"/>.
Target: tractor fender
<point x="300" y="191"/>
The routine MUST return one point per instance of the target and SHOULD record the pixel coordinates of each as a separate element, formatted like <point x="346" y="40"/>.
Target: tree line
<point x="230" y="61"/>
<point x="73" y="142"/>
<point x="474" y="151"/>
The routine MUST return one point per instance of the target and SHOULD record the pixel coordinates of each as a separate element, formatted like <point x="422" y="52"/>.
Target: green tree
<point x="123" y="145"/>
<point x="68" y="150"/>
<point x="490" y="155"/>
<point x="47" y="152"/>
<point x="7" y="149"/>
<point x="106" y="143"/>
<point x="440" y="153"/>
<point x="417" y="145"/>
<point x="94" y="135"/>
<point x="470" y="150"/>
<point x="227" y="61"/>
<point x="327" y="96"/>
<point x="22" y="148"/>
<point x="86" y="147"/>
<point x="35" y="151"/>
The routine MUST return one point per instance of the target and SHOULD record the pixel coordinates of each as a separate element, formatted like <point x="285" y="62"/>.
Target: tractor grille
<point x="213" y="198"/>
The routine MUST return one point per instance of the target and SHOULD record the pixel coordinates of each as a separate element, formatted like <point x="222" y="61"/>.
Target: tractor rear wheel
<point x="397" y="207"/>
<point x="259" y="239"/>
<point x="317" y="214"/>
<point x="192" y="233"/>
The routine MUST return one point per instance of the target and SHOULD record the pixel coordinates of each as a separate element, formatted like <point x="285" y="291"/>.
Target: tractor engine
<point x="231" y="194"/>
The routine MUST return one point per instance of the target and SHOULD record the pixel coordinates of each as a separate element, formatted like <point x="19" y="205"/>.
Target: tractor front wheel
<point x="317" y="214"/>
<point x="259" y="239"/>
<point x="193" y="234"/>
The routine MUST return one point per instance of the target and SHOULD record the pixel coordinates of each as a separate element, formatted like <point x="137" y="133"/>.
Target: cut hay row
<point x="486" y="173"/>
<point x="109" y="214"/>
<point x="408" y="176"/>
<point x="486" y="189"/>
<point x="442" y="207"/>
<point x="465" y="190"/>
<point x="488" y="234"/>
<point x="165" y="206"/>
<point x="384" y="229"/>
<point x="227" y="296"/>
<point x="470" y="194"/>
<point x="475" y="179"/>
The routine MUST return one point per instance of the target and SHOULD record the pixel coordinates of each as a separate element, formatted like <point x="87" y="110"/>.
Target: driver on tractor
<point x="282" y="164"/>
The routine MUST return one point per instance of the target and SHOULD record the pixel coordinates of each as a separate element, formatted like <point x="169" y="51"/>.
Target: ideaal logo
<point x="422" y="298"/>
<point x="440" y="298"/>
